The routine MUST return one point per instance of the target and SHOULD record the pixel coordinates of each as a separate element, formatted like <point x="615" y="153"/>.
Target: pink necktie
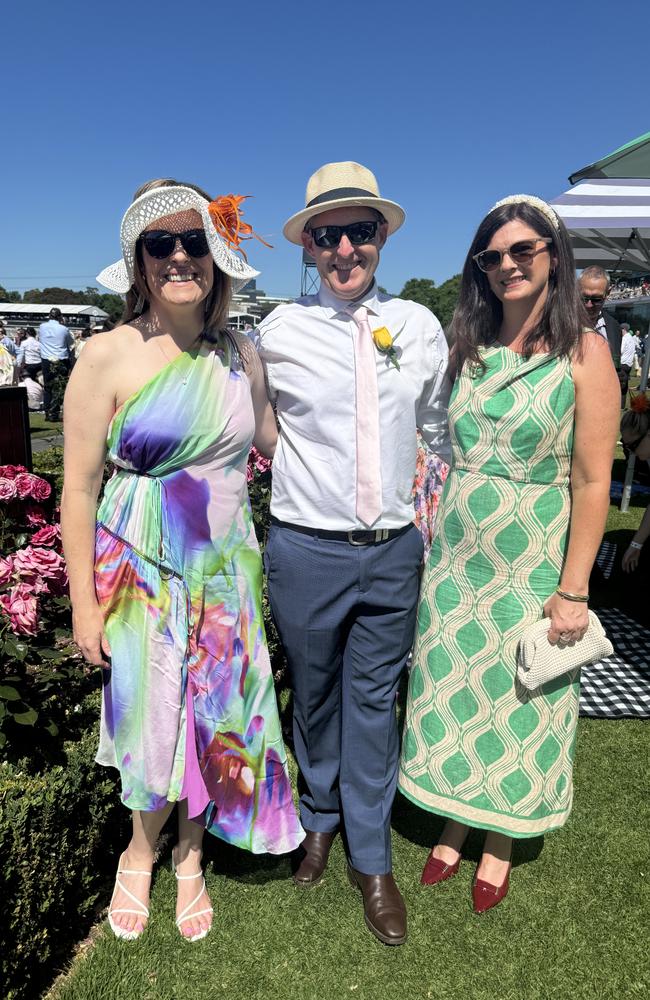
<point x="369" y="505"/>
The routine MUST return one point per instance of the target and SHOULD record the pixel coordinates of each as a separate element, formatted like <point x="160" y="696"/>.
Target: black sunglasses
<point x="160" y="243"/>
<point x="521" y="252"/>
<point x="358" y="233"/>
<point x="597" y="300"/>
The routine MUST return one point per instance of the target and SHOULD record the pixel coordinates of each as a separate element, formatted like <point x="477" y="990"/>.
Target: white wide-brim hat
<point x="342" y="185"/>
<point x="156" y="204"/>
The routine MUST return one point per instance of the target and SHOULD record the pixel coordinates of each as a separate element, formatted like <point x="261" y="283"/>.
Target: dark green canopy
<point x="631" y="160"/>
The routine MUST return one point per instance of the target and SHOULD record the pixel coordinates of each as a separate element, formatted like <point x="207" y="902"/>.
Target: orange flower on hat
<point x="226" y="216"/>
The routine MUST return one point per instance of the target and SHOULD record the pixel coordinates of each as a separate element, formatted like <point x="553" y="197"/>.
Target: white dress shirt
<point x="307" y="348"/>
<point x="628" y="349"/>
<point x="29" y="352"/>
<point x="600" y="327"/>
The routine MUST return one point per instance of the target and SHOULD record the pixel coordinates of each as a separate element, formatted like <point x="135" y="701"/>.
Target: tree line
<point x="440" y="299"/>
<point x="110" y="303"/>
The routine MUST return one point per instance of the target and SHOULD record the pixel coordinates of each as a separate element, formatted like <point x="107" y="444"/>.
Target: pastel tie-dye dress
<point x="189" y="708"/>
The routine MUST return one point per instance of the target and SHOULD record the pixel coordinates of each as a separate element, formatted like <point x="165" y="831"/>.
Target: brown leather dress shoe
<point x="384" y="909"/>
<point x="310" y="859"/>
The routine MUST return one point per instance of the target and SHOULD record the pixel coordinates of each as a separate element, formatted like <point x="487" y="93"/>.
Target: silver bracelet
<point x="636" y="545"/>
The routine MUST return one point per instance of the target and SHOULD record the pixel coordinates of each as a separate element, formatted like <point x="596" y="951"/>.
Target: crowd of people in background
<point x="41" y="361"/>
<point x="630" y="288"/>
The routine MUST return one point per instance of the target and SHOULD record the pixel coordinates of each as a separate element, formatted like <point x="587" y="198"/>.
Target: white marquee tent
<point x="609" y="223"/>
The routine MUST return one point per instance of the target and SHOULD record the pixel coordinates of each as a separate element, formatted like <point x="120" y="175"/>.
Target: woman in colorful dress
<point x="533" y="420"/>
<point x="430" y="475"/>
<point x="166" y="585"/>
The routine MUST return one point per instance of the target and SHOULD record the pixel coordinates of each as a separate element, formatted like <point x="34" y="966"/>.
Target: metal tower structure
<point x="309" y="281"/>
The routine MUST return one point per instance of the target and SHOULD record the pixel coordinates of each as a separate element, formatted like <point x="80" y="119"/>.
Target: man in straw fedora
<point x="352" y="372"/>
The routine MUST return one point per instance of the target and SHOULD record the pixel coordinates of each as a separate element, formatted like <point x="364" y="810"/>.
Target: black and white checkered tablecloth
<point x="619" y="685"/>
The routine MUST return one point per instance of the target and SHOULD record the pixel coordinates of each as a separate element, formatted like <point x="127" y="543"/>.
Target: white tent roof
<point x="609" y="223"/>
<point x="31" y="308"/>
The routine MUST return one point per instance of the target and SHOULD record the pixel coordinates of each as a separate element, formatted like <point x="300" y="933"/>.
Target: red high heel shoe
<point x="485" y="895"/>
<point x="436" y="870"/>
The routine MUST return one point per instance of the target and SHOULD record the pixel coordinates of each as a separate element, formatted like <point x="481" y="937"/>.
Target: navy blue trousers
<point x="346" y="618"/>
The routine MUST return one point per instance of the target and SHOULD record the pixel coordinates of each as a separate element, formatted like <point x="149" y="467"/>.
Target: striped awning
<point x="609" y="223"/>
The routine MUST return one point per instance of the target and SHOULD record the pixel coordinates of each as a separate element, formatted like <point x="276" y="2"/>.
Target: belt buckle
<point x="355" y="541"/>
<point x="376" y="535"/>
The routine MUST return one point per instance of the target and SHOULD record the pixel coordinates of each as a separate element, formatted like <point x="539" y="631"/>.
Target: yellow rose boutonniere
<point x="384" y="343"/>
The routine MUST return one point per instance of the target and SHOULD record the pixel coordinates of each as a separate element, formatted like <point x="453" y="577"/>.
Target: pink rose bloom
<point x="34" y="515"/>
<point x="49" y="534"/>
<point x="21" y="606"/>
<point x="40" y="488"/>
<point x="23" y="484"/>
<point x="7" y="489"/>
<point x="256" y="462"/>
<point x="6" y="570"/>
<point x="11" y="471"/>
<point x="33" y="564"/>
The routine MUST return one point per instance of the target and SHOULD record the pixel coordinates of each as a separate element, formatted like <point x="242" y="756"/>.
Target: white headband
<point x="155" y="204"/>
<point x="530" y="199"/>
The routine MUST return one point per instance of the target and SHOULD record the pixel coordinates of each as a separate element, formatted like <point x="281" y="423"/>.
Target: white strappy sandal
<point x="186" y="915"/>
<point x="143" y="910"/>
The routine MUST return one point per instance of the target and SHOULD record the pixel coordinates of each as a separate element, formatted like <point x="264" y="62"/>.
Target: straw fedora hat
<point x="342" y="185"/>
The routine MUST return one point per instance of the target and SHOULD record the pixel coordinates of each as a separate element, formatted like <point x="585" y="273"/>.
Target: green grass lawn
<point x="40" y="427"/>
<point x="574" y="924"/>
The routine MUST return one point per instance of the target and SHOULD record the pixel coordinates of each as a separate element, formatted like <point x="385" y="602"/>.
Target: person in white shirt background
<point x="57" y="352"/>
<point x="29" y="354"/>
<point x="352" y="372"/>
<point x="628" y="352"/>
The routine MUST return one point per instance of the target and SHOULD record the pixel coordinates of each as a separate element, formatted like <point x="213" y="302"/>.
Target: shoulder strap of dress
<point x="245" y="351"/>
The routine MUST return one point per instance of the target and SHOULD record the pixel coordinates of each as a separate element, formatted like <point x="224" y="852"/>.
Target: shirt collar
<point x="333" y="305"/>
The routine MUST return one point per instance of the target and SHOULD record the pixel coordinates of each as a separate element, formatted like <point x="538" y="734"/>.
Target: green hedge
<point x="56" y="835"/>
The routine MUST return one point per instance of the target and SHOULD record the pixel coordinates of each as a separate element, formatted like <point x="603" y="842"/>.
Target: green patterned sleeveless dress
<point x="478" y="747"/>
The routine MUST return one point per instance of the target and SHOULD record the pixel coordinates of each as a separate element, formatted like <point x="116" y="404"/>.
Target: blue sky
<point x="451" y="108"/>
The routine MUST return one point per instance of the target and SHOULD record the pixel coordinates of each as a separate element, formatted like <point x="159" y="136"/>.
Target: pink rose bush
<point x="6" y="571"/>
<point x="257" y="463"/>
<point x="7" y="488"/>
<point x="43" y="682"/>
<point x="21" y="607"/>
<point x="16" y="481"/>
<point x="23" y="484"/>
<point x="40" y="488"/>
<point x="33" y="571"/>
<point x="49" y="534"/>
<point x="11" y="471"/>
<point x="34" y="515"/>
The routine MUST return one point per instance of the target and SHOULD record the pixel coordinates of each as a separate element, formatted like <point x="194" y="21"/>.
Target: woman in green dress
<point x="533" y="419"/>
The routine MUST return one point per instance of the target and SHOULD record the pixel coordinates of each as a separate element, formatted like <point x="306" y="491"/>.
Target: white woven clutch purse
<point x="538" y="662"/>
